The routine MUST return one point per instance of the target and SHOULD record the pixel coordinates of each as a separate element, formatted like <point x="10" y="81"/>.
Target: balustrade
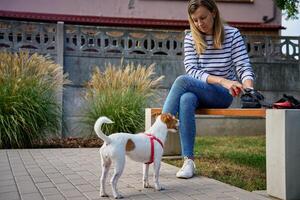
<point x="99" y="41"/>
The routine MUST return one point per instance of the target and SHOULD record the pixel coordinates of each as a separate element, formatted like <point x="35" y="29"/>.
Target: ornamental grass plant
<point x="120" y="93"/>
<point x="29" y="109"/>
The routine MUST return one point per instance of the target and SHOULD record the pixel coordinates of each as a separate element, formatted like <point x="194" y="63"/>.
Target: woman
<point x="217" y="69"/>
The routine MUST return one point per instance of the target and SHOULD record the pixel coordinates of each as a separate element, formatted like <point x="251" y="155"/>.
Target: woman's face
<point x="203" y="20"/>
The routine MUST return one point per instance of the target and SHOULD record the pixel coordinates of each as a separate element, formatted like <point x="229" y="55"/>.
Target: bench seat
<point x="257" y="112"/>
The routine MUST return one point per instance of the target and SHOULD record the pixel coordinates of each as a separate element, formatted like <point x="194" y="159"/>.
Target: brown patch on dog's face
<point x="130" y="145"/>
<point x="169" y="120"/>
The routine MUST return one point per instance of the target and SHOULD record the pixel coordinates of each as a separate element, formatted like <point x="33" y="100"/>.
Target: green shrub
<point x="28" y="103"/>
<point x="120" y="93"/>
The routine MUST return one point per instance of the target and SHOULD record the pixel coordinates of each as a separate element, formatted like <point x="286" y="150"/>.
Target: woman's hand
<point x="248" y="83"/>
<point x="234" y="87"/>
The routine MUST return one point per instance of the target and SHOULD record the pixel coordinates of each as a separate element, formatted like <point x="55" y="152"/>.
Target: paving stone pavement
<point x="73" y="174"/>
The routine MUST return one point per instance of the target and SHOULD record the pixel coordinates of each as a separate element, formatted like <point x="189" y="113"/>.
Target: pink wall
<point x="154" y="9"/>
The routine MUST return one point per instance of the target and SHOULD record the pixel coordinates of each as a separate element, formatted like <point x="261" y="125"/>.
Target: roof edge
<point x="117" y="21"/>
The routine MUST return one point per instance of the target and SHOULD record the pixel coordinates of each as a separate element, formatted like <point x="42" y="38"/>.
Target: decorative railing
<point x="273" y="49"/>
<point x="34" y="37"/>
<point x="99" y="41"/>
<point x="127" y="42"/>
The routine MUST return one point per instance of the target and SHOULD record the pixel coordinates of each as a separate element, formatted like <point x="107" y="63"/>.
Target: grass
<point x="236" y="160"/>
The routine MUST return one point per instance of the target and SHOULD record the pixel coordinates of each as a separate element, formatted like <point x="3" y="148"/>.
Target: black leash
<point x="253" y="99"/>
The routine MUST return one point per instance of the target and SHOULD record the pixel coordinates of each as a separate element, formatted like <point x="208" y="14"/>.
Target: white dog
<point x="143" y="147"/>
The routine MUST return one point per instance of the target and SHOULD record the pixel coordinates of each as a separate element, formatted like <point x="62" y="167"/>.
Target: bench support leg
<point x="149" y="120"/>
<point x="283" y="153"/>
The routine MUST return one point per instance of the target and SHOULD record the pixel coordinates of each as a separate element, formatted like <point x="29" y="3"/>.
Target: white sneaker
<point x="187" y="170"/>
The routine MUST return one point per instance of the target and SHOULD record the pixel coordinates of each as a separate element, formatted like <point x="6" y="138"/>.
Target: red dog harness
<point x="152" y="138"/>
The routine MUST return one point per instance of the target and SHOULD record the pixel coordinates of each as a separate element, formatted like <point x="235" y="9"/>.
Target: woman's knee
<point x="182" y="80"/>
<point x="188" y="100"/>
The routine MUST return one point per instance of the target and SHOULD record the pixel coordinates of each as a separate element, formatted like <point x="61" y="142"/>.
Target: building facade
<point x="255" y="17"/>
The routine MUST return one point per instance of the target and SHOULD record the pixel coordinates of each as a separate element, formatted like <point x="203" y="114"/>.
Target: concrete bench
<point x="282" y="145"/>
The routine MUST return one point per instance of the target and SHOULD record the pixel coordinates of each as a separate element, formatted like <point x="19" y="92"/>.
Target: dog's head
<point x="170" y="120"/>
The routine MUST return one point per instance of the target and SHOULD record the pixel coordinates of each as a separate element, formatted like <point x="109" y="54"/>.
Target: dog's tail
<point x="97" y="128"/>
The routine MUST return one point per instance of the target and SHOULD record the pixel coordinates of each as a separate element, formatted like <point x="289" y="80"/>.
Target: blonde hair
<point x="218" y="28"/>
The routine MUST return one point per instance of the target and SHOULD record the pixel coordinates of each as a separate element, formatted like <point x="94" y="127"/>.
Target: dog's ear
<point x="169" y="120"/>
<point x="155" y="114"/>
<point x="166" y="118"/>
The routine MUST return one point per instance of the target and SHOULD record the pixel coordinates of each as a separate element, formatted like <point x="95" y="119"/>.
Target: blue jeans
<point x="186" y="95"/>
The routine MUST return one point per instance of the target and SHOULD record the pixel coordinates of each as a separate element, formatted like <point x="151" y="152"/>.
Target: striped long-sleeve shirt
<point x="231" y="60"/>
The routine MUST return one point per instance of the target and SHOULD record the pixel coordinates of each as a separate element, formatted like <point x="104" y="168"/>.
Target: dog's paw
<point x="118" y="196"/>
<point x="147" y="185"/>
<point x="159" y="188"/>
<point x="103" y="195"/>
